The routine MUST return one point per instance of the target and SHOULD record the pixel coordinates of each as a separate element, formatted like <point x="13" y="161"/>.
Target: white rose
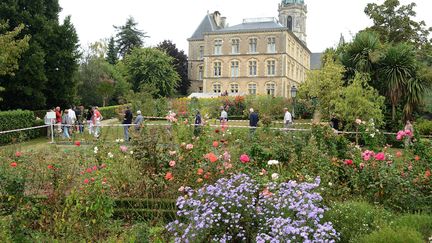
<point x="275" y="176"/>
<point x="110" y="155"/>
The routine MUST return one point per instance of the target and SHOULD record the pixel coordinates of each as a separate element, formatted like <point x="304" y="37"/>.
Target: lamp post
<point x="293" y="96"/>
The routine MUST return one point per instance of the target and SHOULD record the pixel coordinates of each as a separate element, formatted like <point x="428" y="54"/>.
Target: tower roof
<point x="292" y="1"/>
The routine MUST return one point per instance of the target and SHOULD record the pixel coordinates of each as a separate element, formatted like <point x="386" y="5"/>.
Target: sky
<point x="177" y="20"/>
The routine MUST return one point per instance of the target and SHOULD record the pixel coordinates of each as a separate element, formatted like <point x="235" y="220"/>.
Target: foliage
<point x="395" y="23"/>
<point x="46" y="69"/>
<point x="324" y="85"/>
<point x="424" y="127"/>
<point x="396" y="235"/>
<point x="355" y="218"/>
<point x="419" y="222"/>
<point x="11" y="48"/>
<point x="99" y="80"/>
<point x="112" y="52"/>
<point x="5" y="232"/>
<point x="10" y="120"/>
<point x="129" y="37"/>
<point x="230" y="210"/>
<point x="180" y="63"/>
<point x="358" y="100"/>
<point x="149" y="66"/>
<point x="109" y="112"/>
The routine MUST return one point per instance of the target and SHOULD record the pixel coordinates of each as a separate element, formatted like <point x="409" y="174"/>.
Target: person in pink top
<point x="97" y="117"/>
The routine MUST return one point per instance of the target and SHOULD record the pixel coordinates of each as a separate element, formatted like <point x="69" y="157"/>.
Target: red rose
<point x="244" y="158"/>
<point x="215" y="144"/>
<point x="18" y="153"/>
<point x="50" y="167"/>
<point x="169" y="176"/>
<point x="200" y="171"/>
<point x="13" y="164"/>
<point x="86" y="181"/>
<point x="77" y="143"/>
<point x="348" y="162"/>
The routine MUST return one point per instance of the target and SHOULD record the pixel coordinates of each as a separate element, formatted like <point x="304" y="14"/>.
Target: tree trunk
<point x="393" y="112"/>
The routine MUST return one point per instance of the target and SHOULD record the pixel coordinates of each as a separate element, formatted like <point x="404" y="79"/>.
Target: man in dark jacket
<point x="197" y="128"/>
<point x="127" y="121"/>
<point x="253" y="121"/>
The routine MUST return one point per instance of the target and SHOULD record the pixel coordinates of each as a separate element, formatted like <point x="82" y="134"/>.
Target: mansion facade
<point x="259" y="56"/>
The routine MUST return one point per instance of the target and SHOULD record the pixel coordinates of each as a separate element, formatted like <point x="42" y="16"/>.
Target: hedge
<point x="109" y="112"/>
<point x="16" y="119"/>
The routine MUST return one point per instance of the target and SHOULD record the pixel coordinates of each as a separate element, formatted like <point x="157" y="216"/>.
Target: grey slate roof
<point x="207" y="25"/>
<point x="315" y="61"/>
<point x="254" y="26"/>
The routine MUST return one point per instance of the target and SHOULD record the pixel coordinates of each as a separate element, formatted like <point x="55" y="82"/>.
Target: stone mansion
<point x="259" y="56"/>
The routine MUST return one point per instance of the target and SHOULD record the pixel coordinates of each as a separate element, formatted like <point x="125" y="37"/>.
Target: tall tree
<point x="11" y="48"/>
<point x="129" y="37"/>
<point x="180" y="64"/>
<point x="99" y="81"/>
<point x="150" y="66"/>
<point x="51" y="56"/>
<point x="394" y="23"/>
<point x="397" y="67"/>
<point x="112" y="52"/>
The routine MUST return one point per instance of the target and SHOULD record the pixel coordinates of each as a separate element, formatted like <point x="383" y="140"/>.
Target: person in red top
<point x="58" y="119"/>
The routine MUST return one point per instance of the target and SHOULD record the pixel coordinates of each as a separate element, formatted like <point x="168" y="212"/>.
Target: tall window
<point x="234" y="88"/>
<point x="234" y="69"/>
<point x="200" y="72"/>
<point x="270" y="87"/>
<point x="218" y="47"/>
<point x="216" y="88"/>
<point x="289" y="23"/>
<point x="253" y="45"/>
<point x="252" y="88"/>
<point x="252" y="68"/>
<point x="201" y="52"/>
<point x="217" y="69"/>
<point x="271" y="44"/>
<point x="235" y="46"/>
<point x="271" y="67"/>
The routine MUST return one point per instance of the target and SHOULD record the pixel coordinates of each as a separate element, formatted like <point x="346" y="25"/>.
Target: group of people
<point x="253" y="120"/>
<point x="127" y="122"/>
<point x="72" y="120"/>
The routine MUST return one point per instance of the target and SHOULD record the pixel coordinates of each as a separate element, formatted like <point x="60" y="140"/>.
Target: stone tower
<point x="292" y="14"/>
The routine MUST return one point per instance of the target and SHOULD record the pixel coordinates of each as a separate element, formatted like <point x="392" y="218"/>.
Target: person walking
<point x="224" y="116"/>
<point x="72" y="116"/>
<point x="127" y="121"/>
<point x="66" y="123"/>
<point x="138" y="121"/>
<point x="409" y="131"/>
<point x="49" y="122"/>
<point x="253" y="121"/>
<point x="287" y="118"/>
<point x="97" y="118"/>
<point x="89" y="118"/>
<point x="58" y="119"/>
<point x="197" y="124"/>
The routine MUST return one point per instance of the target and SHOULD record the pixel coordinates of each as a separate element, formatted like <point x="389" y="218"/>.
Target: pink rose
<point x="172" y="163"/>
<point x="189" y="146"/>
<point x="244" y="158"/>
<point x="380" y="156"/>
<point x="123" y="148"/>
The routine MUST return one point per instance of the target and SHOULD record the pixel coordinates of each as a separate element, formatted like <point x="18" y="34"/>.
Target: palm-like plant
<point x="416" y="89"/>
<point x="363" y="54"/>
<point x="396" y="70"/>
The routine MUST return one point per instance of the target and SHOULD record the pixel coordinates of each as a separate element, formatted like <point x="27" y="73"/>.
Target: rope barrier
<point x="23" y="129"/>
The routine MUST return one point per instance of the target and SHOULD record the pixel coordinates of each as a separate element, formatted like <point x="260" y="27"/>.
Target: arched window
<point x="289" y="23"/>
<point x="200" y="72"/>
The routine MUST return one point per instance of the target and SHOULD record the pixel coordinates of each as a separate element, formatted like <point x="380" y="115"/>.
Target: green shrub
<point x="353" y="219"/>
<point x="424" y="127"/>
<point x="109" y="112"/>
<point x="5" y="232"/>
<point x="16" y="119"/>
<point x="419" y="222"/>
<point x="394" y="235"/>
